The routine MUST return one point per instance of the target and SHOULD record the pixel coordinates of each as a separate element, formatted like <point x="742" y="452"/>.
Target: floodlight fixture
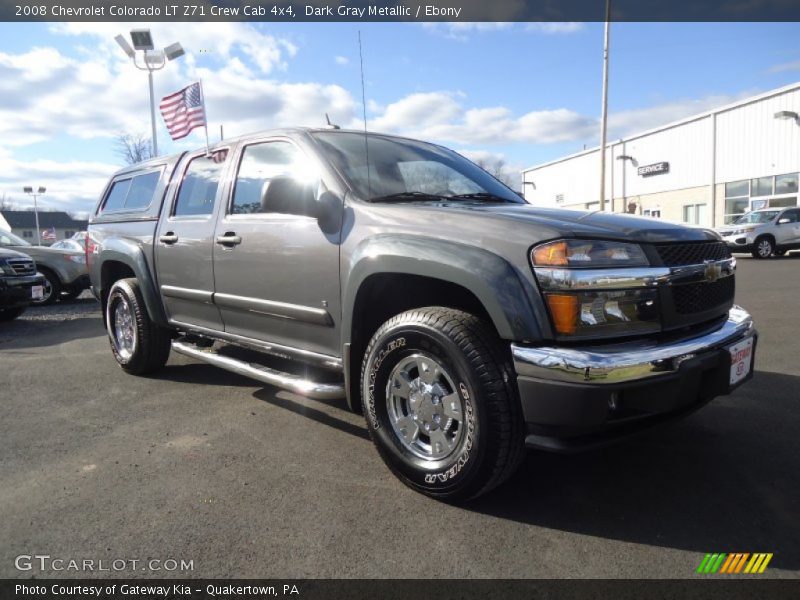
<point x="174" y="51"/>
<point x="142" y="39"/>
<point x="126" y="47"/>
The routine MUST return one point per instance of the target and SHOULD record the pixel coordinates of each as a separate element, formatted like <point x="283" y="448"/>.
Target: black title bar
<point x="402" y="10"/>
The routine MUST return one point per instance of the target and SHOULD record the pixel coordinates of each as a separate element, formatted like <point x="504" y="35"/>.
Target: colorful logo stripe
<point x="740" y="562"/>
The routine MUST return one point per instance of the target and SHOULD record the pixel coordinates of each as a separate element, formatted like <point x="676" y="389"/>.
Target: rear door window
<point x="199" y="186"/>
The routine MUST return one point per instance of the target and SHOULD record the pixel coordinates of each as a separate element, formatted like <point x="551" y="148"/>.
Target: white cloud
<point x="783" y="67"/>
<point x="627" y="122"/>
<point x="219" y="41"/>
<point x="73" y="186"/>
<point x="440" y="116"/>
<point x="555" y="27"/>
<point x="460" y="30"/>
<point x="341" y="60"/>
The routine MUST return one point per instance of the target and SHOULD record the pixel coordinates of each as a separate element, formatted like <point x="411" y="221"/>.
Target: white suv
<point x="764" y="232"/>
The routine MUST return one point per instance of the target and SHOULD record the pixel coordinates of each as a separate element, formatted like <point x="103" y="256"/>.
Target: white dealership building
<point x="702" y="170"/>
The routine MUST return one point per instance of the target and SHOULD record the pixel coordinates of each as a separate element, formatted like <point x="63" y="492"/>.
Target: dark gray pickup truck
<point x="464" y="323"/>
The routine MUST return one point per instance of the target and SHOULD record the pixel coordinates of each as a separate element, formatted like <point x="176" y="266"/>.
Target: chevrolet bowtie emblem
<point x="713" y="271"/>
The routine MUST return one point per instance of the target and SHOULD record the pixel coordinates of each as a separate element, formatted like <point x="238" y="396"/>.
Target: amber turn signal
<point x="564" y="311"/>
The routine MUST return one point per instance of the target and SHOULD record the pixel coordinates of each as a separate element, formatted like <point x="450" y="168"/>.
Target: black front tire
<point x="150" y="343"/>
<point x="492" y="444"/>
<point x="9" y="314"/>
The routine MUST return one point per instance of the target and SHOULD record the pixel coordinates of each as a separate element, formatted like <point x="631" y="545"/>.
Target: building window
<point x="782" y="202"/>
<point x="761" y="186"/>
<point x="695" y="214"/>
<point x="68" y="234"/>
<point x="786" y="184"/>
<point x="653" y="213"/>
<point x="27" y="234"/>
<point x="560" y="199"/>
<point x="737" y="188"/>
<point x="737" y="197"/>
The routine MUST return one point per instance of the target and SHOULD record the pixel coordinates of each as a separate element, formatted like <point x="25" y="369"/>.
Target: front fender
<point x="494" y="281"/>
<point x="131" y="254"/>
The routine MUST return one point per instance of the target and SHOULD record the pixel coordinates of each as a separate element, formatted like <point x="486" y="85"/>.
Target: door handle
<point x="229" y="239"/>
<point x="168" y="238"/>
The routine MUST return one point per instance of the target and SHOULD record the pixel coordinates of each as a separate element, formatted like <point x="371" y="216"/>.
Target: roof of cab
<point x="172" y="158"/>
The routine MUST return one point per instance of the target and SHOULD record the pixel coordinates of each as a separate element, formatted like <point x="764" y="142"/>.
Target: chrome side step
<point x="286" y="381"/>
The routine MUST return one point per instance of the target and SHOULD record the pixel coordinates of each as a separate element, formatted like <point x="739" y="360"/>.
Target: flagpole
<point x="205" y="115"/>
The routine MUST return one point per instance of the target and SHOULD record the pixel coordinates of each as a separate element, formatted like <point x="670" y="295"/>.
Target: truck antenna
<point x="331" y="125"/>
<point x="364" y="107"/>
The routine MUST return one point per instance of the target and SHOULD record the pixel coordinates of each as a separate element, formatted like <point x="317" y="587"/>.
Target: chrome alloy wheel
<point x="764" y="248"/>
<point x="425" y="409"/>
<point x="123" y="330"/>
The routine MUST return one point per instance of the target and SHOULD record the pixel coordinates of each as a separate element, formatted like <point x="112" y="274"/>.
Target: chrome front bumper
<point x="626" y="362"/>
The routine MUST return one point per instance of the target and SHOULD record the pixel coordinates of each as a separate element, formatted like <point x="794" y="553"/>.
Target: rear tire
<point x="441" y="403"/>
<point x="139" y="345"/>
<point x="9" y="314"/>
<point x="764" y="247"/>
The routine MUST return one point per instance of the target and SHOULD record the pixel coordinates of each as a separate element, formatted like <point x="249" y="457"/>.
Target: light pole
<point x="153" y="60"/>
<point x="604" y="110"/>
<point x="41" y="190"/>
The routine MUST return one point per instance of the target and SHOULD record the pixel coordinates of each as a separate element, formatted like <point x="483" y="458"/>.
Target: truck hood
<point x="573" y="223"/>
<point x="9" y="253"/>
<point x="44" y="251"/>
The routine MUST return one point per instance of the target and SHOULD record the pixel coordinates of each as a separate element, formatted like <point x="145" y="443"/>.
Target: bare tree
<point x="497" y="168"/>
<point x="5" y="202"/>
<point x="133" y="148"/>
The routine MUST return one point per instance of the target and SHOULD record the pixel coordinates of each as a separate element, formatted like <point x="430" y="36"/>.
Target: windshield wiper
<point x="481" y="196"/>
<point x="408" y="197"/>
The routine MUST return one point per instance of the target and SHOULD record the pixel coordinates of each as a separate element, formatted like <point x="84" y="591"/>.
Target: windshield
<point x="9" y="239"/>
<point x="757" y="217"/>
<point x="402" y="169"/>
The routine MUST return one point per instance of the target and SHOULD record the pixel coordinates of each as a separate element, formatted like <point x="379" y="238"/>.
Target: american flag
<point x="183" y="111"/>
<point x="49" y="234"/>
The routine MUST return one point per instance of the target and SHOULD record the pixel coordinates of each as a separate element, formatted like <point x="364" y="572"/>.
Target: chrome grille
<point x="22" y="266"/>
<point x="694" y="253"/>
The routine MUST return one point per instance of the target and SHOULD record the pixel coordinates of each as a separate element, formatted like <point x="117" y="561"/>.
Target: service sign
<point x="655" y="169"/>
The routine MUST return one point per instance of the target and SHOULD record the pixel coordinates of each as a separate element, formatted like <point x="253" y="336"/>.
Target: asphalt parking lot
<point x="248" y="481"/>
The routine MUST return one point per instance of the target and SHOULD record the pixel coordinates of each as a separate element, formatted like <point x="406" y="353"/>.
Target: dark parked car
<point x="19" y="283"/>
<point x="64" y="269"/>
<point x="464" y="323"/>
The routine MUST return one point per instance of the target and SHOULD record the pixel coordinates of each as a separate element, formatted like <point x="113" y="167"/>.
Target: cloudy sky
<point x="524" y="92"/>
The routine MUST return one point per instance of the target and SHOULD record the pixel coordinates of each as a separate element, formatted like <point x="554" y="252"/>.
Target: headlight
<point x="588" y="253"/>
<point x="604" y="313"/>
<point x="596" y="288"/>
<point x="6" y="268"/>
<point x="76" y="258"/>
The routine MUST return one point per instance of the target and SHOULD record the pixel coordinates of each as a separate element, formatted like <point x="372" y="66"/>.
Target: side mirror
<point x="784" y="220"/>
<point x="286" y="195"/>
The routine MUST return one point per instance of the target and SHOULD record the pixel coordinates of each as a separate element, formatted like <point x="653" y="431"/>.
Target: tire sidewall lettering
<point x="381" y="356"/>
<point x="445" y="472"/>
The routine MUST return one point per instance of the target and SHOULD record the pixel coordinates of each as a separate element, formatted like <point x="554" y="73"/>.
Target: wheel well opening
<point x="111" y="272"/>
<point x="384" y="295"/>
